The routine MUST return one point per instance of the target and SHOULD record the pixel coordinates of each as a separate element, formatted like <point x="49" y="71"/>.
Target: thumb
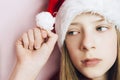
<point x="47" y="47"/>
<point x="52" y="39"/>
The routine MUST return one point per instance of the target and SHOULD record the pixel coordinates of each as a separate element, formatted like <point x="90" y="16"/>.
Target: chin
<point x="94" y="75"/>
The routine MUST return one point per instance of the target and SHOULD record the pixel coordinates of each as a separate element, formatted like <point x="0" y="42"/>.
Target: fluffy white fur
<point x="110" y="9"/>
<point x="45" y="20"/>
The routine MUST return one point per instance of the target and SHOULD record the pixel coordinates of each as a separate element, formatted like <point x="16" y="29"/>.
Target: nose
<point x="88" y="42"/>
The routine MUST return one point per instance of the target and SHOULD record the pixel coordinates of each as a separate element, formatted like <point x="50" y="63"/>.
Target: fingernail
<point x="37" y="47"/>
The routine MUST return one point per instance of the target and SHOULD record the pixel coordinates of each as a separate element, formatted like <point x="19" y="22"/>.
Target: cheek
<point x="74" y="53"/>
<point x="107" y="49"/>
<point x="109" y="44"/>
<point x="72" y="45"/>
<point x="76" y="59"/>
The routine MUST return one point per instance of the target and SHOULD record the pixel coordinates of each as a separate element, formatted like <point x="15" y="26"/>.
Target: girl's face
<point x="92" y="45"/>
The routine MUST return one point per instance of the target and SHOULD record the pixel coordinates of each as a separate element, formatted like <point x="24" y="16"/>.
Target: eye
<point x="73" y="32"/>
<point x="102" y="28"/>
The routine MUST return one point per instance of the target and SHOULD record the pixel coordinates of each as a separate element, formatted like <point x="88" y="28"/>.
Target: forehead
<point x="89" y="18"/>
<point x="92" y="13"/>
<point x="89" y="15"/>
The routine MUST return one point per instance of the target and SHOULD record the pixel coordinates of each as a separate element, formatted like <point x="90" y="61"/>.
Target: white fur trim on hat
<point x="110" y="9"/>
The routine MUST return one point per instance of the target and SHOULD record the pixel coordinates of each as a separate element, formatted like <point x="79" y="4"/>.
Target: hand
<point x="32" y="47"/>
<point x="33" y="50"/>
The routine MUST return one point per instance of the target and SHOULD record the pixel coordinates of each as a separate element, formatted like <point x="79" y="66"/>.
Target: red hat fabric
<point x="54" y="5"/>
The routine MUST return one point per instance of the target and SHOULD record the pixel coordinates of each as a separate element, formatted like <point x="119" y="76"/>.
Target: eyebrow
<point x="100" y="20"/>
<point x="75" y="23"/>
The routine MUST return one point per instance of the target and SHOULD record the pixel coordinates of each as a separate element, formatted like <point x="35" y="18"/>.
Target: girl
<point x="88" y="38"/>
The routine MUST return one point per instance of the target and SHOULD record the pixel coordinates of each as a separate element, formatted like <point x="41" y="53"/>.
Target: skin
<point x="92" y="37"/>
<point x="33" y="52"/>
<point x="84" y="40"/>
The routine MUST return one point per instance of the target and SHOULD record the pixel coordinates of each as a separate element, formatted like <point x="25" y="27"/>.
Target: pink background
<point x="16" y="17"/>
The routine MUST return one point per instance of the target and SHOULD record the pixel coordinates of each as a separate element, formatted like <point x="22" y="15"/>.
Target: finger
<point x="31" y="39"/>
<point x="38" y="38"/>
<point x="52" y="39"/>
<point x="44" y="33"/>
<point x="25" y="40"/>
<point x="48" y="46"/>
<point x="19" y="45"/>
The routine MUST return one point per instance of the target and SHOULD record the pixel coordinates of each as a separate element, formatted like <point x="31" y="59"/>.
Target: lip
<point x="90" y="62"/>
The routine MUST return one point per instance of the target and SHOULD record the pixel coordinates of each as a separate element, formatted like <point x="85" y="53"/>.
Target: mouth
<point x="90" y="62"/>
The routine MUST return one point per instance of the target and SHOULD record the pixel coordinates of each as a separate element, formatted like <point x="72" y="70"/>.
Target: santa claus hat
<point x="46" y="19"/>
<point x="110" y="9"/>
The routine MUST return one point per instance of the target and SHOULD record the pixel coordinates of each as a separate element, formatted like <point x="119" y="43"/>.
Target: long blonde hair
<point x="68" y="71"/>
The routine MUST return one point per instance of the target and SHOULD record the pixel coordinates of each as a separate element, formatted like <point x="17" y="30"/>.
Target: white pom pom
<point x="45" y="20"/>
